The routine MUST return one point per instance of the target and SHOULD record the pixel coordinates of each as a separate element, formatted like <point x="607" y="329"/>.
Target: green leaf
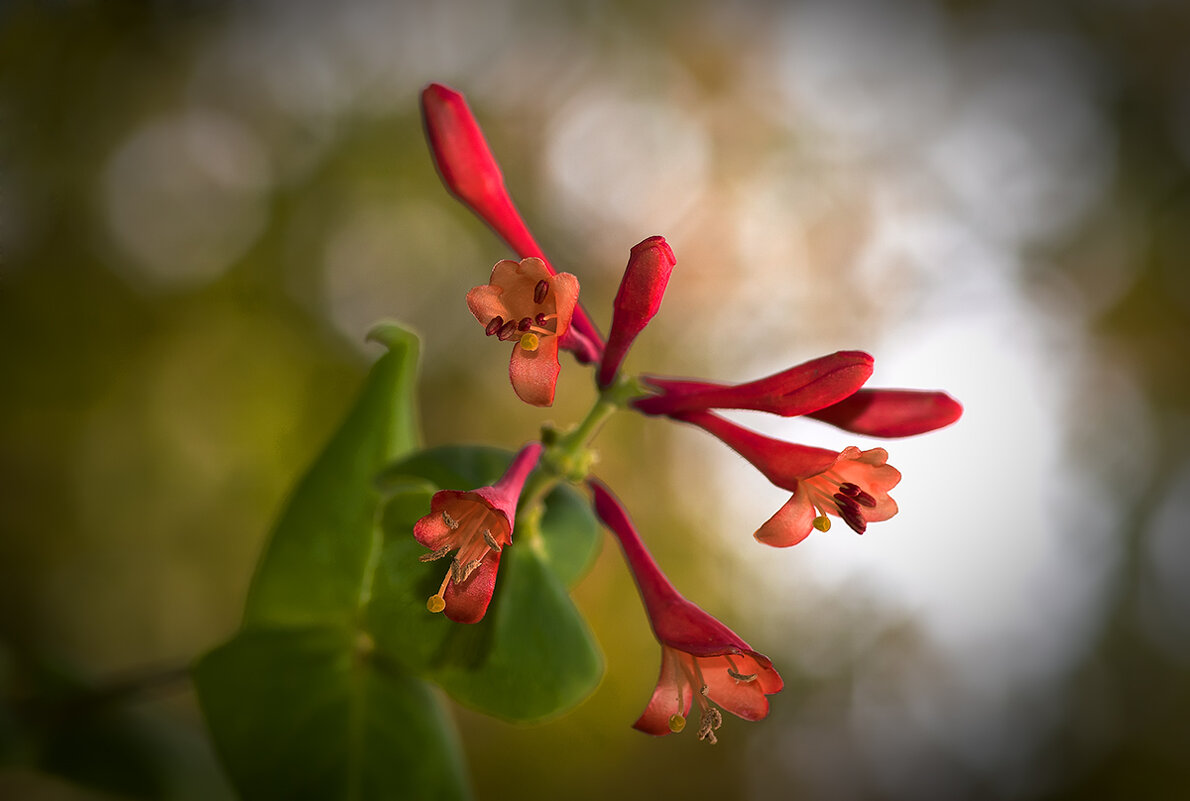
<point x="317" y="566"/>
<point x="532" y="657"/>
<point x="317" y="713"/>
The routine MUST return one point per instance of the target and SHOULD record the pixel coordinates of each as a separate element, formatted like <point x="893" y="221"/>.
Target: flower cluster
<point x="536" y="309"/>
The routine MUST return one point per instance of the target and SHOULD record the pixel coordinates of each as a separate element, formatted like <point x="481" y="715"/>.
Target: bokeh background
<point x="204" y="206"/>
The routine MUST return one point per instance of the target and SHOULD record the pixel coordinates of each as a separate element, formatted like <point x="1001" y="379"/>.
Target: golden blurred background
<point x="204" y="206"/>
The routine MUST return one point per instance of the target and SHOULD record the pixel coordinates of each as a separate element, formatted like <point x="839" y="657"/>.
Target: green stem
<point x="569" y="457"/>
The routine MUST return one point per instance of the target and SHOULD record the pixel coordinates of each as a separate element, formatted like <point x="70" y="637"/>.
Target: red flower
<point x="476" y="525"/>
<point x="650" y="264"/>
<point x="851" y="484"/>
<point x="891" y="412"/>
<point x="525" y="303"/>
<point x="471" y="174"/>
<point x="701" y="659"/>
<point x="799" y="390"/>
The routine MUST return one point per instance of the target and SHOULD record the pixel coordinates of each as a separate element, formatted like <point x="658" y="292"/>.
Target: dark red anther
<point x="494" y="326"/>
<point x="865" y="499"/>
<point x="849" y="489"/>
<point x="854" y="518"/>
<point x="525" y="324"/>
<point x="541" y="290"/>
<point x="844" y="502"/>
<point x="507" y="330"/>
<point x="540" y="319"/>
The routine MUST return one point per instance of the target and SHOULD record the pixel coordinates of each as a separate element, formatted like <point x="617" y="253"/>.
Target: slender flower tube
<point x="851" y="484"/>
<point x="470" y="173"/>
<point x="701" y="659"/>
<point x="476" y="526"/>
<point x="799" y="390"/>
<point x="650" y="264"/>
<point x="891" y="412"/>
<point x="524" y="303"/>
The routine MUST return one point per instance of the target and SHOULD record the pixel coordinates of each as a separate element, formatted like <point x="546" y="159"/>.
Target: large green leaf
<point x="532" y="657"/>
<point x="317" y="566"/>
<point x="317" y="713"/>
<point x="300" y="704"/>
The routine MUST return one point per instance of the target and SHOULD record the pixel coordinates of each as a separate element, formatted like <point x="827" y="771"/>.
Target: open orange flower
<point x="527" y="304"/>
<point x="855" y="487"/>
<point x="851" y="483"/>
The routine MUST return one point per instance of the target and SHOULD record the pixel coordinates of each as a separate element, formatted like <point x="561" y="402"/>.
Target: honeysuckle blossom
<point x="850" y="484"/>
<point x="702" y="660"/>
<point x="650" y="264"/>
<point x="891" y="412"/>
<point x="527" y="305"/>
<point x="476" y="526"/>
<point x="470" y="173"/>
<point x="799" y="390"/>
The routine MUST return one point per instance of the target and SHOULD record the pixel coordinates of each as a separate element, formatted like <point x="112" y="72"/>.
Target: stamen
<point x="492" y="327"/>
<point x="525" y="324"/>
<point x="451" y="523"/>
<point x="530" y="341"/>
<point x="541" y="290"/>
<point x="842" y="500"/>
<point x="849" y="489"/>
<point x="507" y="330"/>
<point x="854" y="518"/>
<point x="540" y="320"/>
<point x="676" y="723"/>
<point x="434" y="555"/>
<point x="865" y="499"/>
<point x="822" y="523"/>
<point x="711" y="719"/>
<point x="436" y="603"/>
<point x="741" y="676"/>
<point x="468" y="569"/>
<point x="490" y="540"/>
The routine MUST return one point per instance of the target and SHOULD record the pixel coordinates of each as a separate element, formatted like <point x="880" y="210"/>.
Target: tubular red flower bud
<point x="799" y="390"/>
<point x="476" y="525"/>
<point x="650" y="264"/>
<point x="470" y="173"/>
<point x="467" y="166"/>
<point x="702" y="660"/>
<point x="891" y="412"/>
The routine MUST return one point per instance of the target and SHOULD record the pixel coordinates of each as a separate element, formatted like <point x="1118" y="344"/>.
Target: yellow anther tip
<point x="529" y="341"/>
<point x="676" y="723"/>
<point x="822" y="523"/>
<point x="436" y="603"/>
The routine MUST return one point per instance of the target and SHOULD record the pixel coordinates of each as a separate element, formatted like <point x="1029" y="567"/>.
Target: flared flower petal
<point x="855" y="488"/>
<point x="702" y="661"/>
<point x="851" y="484"/>
<point x="528" y="305"/>
<point x="650" y="263"/>
<point x="891" y="412"/>
<point x="800" y="390"/>
<point x="470" y="173"/>
<point x="475" y="526"/>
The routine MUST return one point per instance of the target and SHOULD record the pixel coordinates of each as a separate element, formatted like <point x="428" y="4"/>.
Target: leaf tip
<point x="392" y="335"/>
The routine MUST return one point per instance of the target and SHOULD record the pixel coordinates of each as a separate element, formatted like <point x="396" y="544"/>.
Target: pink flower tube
<point x="701" y="659"/>
<point x="650" y="264"/>
<point x="470" y="173"/>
